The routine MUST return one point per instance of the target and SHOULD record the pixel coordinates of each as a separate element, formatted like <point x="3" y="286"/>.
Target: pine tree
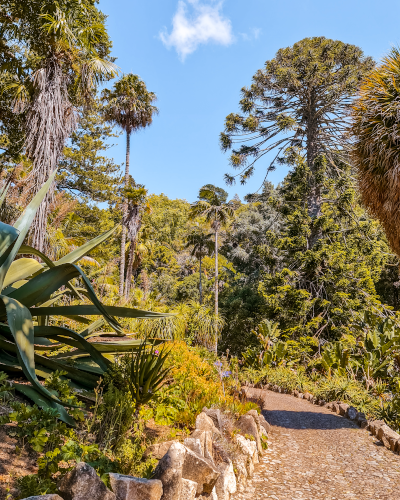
<point x="319" y="290"/>
<point x="85" y="173"/>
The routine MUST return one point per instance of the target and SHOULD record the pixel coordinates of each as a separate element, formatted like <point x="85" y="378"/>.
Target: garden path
<point x="316" y="454"/>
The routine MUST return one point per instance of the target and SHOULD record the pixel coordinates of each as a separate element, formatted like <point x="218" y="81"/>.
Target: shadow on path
<point x="307" y="420"/>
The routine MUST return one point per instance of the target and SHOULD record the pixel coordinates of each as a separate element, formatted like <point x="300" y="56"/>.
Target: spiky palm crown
<point x="376" y="129"/>
<point x="130" y="104"/>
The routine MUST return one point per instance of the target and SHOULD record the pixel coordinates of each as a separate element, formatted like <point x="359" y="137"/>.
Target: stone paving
<point x="316" y="454"/>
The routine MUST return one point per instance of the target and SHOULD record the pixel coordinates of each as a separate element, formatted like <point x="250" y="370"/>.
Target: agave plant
<point x="147" y="374"/>
<point x="29" y="293"/>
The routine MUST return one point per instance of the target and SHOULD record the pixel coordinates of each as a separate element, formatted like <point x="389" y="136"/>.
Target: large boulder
<point x="226" y="483"/>
<point x="135" y="488"/>
<point x="45" y="497"/>
<point x="256" y="417"/>
<point x="206" y="442"/>
<point x="248" y="448"/>
<point x="158" y="450"/>
<point x="169" y="471"/>
<point x="374" y="426"/>
<point x="352" y="413"/>
<point x="200" y="470"/>
<point x="205" y="423"/>
<point x="247" y="425"/>
<point x="241" y="471"/>
<point x="335" y="407"/>
<point x="215" y="415"/>
<point x="388" y="437"/>
<point x="189" y="489"/>
<point x="82" y="483"/>
<point x="343" y="407"/>
<point x="264" y="423"/>
<point x="195" y="445"/>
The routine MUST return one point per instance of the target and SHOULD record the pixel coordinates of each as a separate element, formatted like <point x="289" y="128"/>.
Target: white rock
<point x="226" y="483"/>
<point x="188" y="490"/>
<point x="135" y="488"/>
<point x="204" y="422"/>
<point x="194" y="445"/>
<point x="248" y="447"/>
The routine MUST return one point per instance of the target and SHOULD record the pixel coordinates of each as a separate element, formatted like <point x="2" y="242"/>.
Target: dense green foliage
<point x="294" y="286"/>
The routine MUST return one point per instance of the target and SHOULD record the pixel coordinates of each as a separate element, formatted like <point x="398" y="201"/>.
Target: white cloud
<point x="205" y="24"/>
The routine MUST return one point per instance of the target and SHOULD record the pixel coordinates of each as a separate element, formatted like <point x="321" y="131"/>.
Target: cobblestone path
<point x="316" y="454"/>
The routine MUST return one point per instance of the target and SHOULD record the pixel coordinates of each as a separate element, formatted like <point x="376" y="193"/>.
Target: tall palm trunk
<point x="129" y="268"/>
<point x="314" y="197"/>
<point x="200" y="287"/>
<point x="124" y="215"/>
<point x="216" y="292"/>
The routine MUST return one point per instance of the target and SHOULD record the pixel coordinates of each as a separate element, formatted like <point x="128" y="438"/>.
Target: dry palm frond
<point x="376" y="128"/>
<point x="51" y="119"/>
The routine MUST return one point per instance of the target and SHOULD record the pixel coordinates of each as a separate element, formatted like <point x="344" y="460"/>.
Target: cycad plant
<point x="30" y="292"/>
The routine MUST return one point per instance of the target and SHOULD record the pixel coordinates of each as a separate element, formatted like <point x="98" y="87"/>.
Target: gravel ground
<point x="316" y="454"/>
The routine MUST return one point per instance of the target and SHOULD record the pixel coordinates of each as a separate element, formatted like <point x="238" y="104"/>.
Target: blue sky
<point x="197" y="54"/>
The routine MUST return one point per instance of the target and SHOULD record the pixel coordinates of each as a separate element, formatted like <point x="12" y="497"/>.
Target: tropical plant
<point x="201" y="245"/>
<point x="136" y="194"/>
<point x="61" y="52"/>
<point x="147" y="373"/>
<point x="376" y="146"/>
<point x="212" y="205"/>
<point x="335" y="356"/>
<point x="30" y="289"/>
<point x="129" y="105"/>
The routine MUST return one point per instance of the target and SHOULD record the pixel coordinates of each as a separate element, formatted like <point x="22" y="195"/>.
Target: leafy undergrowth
<point x="334" y="388"/>
<point x="112" y="434"/>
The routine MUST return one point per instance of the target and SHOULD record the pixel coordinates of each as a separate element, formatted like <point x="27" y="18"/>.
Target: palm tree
<point x="377" y="146"/>
<point x="129" y="105"/>
<point x="212" y="205"/>
<point x="65" y="49"/>
<point x="201" y="245"/>
<point x="136" y="194"/>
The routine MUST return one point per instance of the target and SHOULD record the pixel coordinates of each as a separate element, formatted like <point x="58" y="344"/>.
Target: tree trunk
<point x="129" y="268"/>
<point x="200" y="288"/>
<point x="314" y="197"/>
<point x="216" y="292"/>
<point x="124" y="214"/>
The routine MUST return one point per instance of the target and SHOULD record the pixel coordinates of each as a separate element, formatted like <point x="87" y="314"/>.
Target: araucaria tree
<point x="60" y="53"/>
<point x="299" y="100"/>
<point x="376" y="151"/>
<point x="129" y="105"/>
<point x="212" y="205"/>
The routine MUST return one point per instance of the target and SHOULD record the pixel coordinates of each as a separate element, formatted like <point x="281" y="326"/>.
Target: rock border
<point x="378" y="428"/>
<point x="200" y="468"/>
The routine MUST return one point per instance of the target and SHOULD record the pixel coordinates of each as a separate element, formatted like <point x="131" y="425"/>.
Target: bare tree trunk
<point x="314" y="198"/>
<point x="216" y="291"/>
<point x="129" y="268"/>
<point x="124" y="214"/>
<point x="200" y="288"/>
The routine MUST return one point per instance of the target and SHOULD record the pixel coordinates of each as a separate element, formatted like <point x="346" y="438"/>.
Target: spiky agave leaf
<point x="30" y="289"/>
